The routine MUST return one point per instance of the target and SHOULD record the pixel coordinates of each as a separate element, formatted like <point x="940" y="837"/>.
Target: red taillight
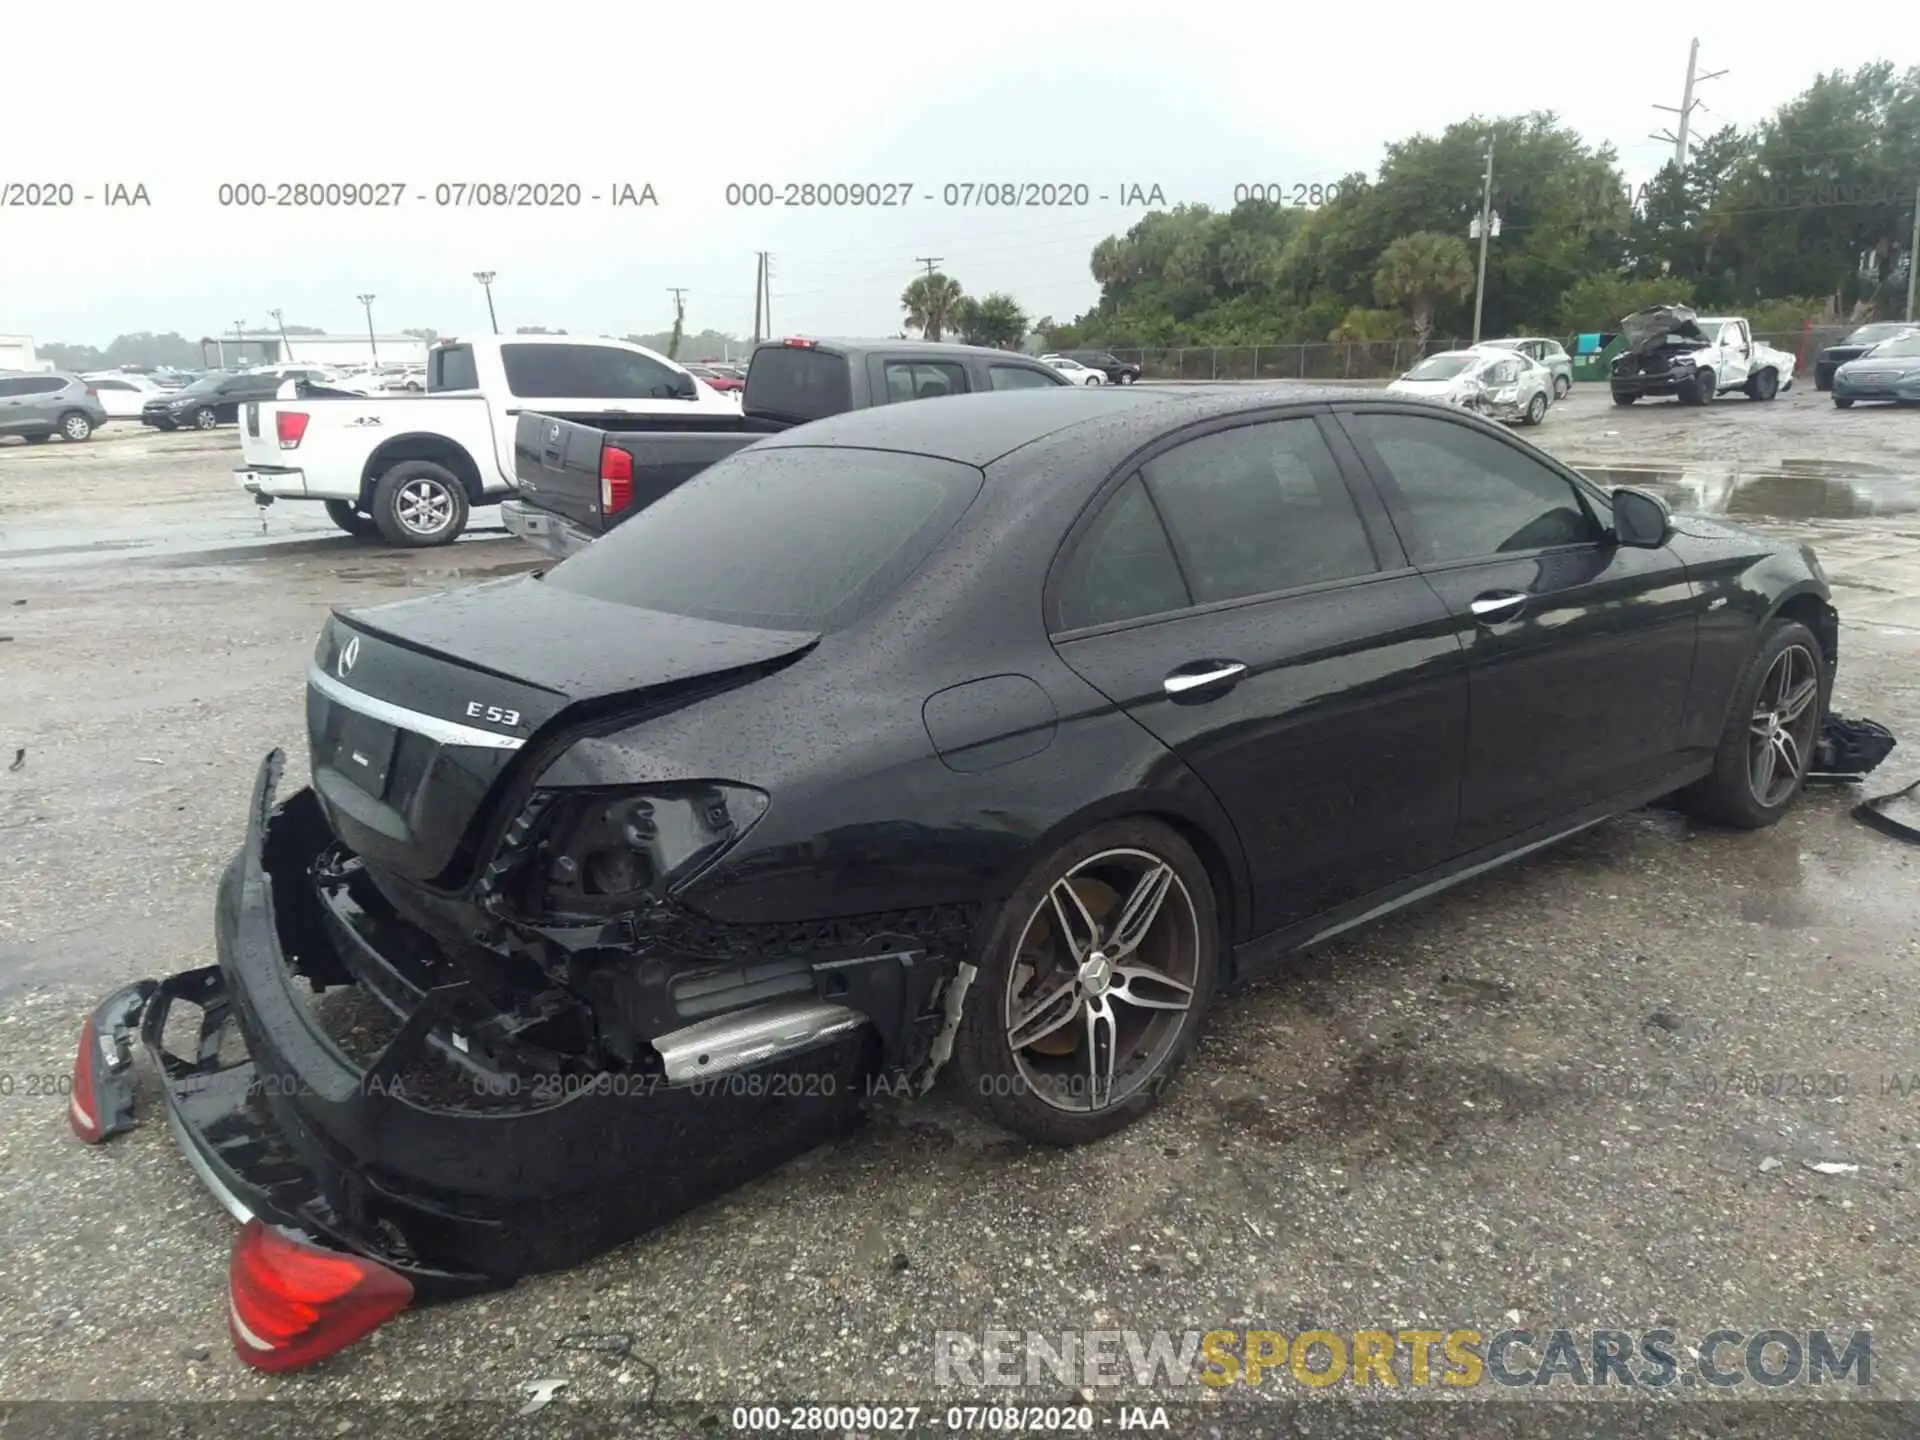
<point x="800" y="344"/>
<point x="292" y="427"/>
<point x="92" y="391"/>
<point x="616" y="480"/>
<point x="290" y="1303"/>
<point x="85" y="1123"/>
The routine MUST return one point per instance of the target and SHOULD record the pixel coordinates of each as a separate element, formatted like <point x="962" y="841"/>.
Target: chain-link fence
<point x="1358" y="360"/>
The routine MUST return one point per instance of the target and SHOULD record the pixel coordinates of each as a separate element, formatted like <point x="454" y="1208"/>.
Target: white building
<point x="265" y="347"/>
<point x="16" y="353"/>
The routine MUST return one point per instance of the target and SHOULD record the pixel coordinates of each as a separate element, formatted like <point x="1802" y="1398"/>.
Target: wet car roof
<point x="979" y="429"/>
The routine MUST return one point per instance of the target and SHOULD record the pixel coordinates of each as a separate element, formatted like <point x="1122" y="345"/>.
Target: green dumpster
<point x="1593" y="354"/>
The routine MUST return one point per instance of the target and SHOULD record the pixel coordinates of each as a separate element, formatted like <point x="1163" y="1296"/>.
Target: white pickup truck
<point x="1671" y="351"/>
<point x="412" y="469"/>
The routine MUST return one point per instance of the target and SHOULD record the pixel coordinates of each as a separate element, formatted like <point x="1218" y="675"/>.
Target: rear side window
<point x="924" y="379"/>
<point x="453" y="369"/>
<point x="1259" y="508"/>
<point x="555" y="372"/>
<point x="1022" y="377"/>
<point x="1123" y="568"/>
<point x="789" y="538"/>
<point x="110" y="385"/>
<point x="793" y="383"/>
<point x="44" y="385"/>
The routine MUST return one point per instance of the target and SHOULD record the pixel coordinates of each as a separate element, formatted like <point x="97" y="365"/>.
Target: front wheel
<point x="1126" y="379"/>
<point x="1093" y="380"/>
<point x="1620" y="399"/>
<point x="351" y="520"/>
<point x="205" y="418"/>
<point x="418" y="503"/>
<point x="1772" y="727"/>
<point x="1093" y="985"/>
<point x="1842" y="403"/>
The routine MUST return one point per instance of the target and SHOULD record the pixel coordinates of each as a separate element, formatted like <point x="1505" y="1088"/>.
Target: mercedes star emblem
<point x="349" y="656"/>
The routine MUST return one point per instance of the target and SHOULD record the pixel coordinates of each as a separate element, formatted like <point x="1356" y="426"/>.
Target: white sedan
<point x="1076" y="372"/>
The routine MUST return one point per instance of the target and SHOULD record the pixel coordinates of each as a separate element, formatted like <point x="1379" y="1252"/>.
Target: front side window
<point x="1465" y="495"/>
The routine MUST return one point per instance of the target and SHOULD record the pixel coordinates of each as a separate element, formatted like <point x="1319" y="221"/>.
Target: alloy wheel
<point x="1102" y="982"/>
<point x="205" y="419"/>
<point x="78" y="427"/>
<point x="1780" y="735"/>
<point x="424" y="506"/>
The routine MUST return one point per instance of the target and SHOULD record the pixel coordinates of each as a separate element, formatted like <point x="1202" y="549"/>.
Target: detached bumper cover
<point x="484" y="1180"/>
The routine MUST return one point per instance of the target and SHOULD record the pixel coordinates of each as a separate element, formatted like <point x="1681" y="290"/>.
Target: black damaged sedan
<point x="1001" y="736"/>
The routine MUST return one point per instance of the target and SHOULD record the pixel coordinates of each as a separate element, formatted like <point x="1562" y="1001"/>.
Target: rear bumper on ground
<point x="455" y="1174"/>
<point x="544" y="530"/>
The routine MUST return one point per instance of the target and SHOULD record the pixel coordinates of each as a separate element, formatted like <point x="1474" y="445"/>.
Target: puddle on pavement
<point x="1788" y="490"/>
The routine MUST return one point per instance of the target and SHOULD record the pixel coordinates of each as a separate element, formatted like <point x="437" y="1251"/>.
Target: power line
<point x="1686" y="107"/>
<point x="929" y="261"/>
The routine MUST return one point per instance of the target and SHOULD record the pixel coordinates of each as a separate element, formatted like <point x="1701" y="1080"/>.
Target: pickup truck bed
<point x="577" y="481"/>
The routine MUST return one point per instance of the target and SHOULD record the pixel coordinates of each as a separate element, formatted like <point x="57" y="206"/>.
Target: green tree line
<point x="1806" y="216"/>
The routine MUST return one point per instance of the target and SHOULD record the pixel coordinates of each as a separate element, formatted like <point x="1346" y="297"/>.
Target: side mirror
<point x="1641" y="519"/>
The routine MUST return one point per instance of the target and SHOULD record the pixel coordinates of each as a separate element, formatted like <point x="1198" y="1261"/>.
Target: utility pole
<point x="759" y="289"/>
<point x="1913" y="252"/>
<point x="372" y="344"/>
<point x="679" y="319"/>
<point x="286" y="345"/>
<point x="1486" y="229"/>
<point x="1686" y="108"/>
<point x="929" y="261"/>
<point x="485" y="277"/>
<point x="766" y="287"/>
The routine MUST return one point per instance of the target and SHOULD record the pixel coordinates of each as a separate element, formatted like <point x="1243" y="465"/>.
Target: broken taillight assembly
<point x="616" y="480"/>
<point x="290" y="1303"/>
<point x="81" y="1104"/>
<point x="291" y="426"/>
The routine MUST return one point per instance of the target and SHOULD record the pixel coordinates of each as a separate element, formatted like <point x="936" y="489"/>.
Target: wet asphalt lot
<point x="1524" y="1104"/>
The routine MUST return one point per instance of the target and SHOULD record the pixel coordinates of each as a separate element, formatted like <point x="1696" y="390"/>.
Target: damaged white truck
<point x="1695" y="359"/>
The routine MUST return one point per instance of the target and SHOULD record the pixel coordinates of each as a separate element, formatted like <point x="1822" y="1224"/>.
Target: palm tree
<point x="1419" y="271"/>
<point x="931" y="303"/>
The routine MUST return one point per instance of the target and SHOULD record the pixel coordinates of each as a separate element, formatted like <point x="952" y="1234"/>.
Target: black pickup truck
<point x="578" y="480"/>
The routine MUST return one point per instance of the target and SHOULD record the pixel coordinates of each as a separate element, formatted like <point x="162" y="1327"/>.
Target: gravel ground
<point x="1511" y="1107"/>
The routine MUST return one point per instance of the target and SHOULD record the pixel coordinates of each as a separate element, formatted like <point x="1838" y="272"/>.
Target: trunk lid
<point x="417" y="712"/>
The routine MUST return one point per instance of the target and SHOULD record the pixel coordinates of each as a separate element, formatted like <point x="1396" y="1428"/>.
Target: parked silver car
<point x="40" y="406"/>
<point x="1550" y="353"/>
<point x="1492" y="382"/>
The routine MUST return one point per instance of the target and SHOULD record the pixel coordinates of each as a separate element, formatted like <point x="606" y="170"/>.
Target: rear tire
<point x="1732" y="794"/>
<point x="353" y="521"/>
<point x="1763" y="386"/>
<point x="1561" y="385"/>
<point x="1536" y="410"/>
<point x="1822" y="381"/>
<point x="75" y="427"/>
<point x="419" y="504"/>
<point x="1137" y="997"/>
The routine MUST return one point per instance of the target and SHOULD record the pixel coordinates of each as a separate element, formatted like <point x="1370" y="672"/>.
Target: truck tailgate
<point x="558" y="465"/>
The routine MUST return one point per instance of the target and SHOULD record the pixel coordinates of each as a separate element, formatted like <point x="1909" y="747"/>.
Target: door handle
<point x="1185" y="682"/>
<point x="1493" y="609"/>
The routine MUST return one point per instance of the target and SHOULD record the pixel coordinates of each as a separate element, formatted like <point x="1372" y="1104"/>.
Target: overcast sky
<point x="1191" y="98"/>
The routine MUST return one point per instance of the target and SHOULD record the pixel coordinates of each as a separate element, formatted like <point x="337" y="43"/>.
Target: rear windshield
<point x="789" y="538"/>
<point x="1874" y="334"/>
<point x="1905" y="346"/>
<point x="797" y="384"/>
